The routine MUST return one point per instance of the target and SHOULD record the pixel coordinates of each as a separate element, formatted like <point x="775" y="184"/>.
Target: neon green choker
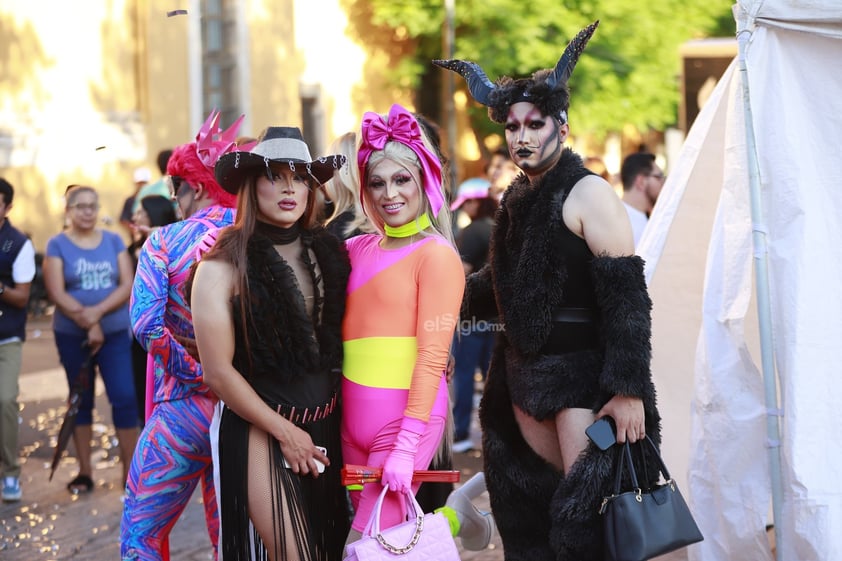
<point x="410" y="228"/>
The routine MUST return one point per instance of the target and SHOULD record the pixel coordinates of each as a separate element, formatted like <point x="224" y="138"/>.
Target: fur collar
<point x="528" y="269"/>
<point x="283" y="342"/>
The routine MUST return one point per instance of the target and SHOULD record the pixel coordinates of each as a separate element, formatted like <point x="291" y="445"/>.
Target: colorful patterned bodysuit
<point x="401" y="312"/>
<point x="173" y="453"/>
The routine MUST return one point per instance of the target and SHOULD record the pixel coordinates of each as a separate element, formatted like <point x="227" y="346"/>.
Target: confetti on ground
<point x="176" y="13"/>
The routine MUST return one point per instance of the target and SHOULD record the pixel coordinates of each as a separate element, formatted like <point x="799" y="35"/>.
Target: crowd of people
<point x="276" y="316"/>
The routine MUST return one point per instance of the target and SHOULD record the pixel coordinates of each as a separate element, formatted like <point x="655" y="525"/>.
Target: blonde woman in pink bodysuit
<point x="403" y="301"/>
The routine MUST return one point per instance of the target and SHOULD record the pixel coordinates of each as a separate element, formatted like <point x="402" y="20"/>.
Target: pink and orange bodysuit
<point x="401" y="312"/>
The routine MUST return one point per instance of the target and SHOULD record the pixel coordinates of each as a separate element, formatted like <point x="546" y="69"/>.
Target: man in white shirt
<point x="642" y="183"/>
<point x="17" y="269"/>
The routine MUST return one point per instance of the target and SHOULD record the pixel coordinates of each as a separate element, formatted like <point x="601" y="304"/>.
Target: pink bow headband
<point x="402" y="127"/>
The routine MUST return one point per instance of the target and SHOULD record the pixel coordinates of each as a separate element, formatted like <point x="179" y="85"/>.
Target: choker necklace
<point x="276" y="234"/>
<point x="410" y="228"/>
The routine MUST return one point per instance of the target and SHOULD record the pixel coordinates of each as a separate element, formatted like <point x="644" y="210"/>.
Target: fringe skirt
<point x="309" y="515"/>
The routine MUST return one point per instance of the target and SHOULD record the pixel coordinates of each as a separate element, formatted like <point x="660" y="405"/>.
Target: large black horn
<point x="567" y="62"/>
<point x="478" y="83"/>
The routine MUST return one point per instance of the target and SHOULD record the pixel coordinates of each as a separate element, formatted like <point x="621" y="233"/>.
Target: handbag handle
<point x="624" y="452"/>
<point x="372" y="528"/>
<point x="625" y="456"/>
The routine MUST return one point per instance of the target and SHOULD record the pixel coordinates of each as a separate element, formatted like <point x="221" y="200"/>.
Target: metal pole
<point x="448" y="38"/>
<point x="761" y="271"/>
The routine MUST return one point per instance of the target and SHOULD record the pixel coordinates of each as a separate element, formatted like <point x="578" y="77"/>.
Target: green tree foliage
<point x="629" y="74"/>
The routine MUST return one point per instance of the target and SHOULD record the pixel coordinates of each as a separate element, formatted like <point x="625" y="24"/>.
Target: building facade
<point x="91" y="90"/>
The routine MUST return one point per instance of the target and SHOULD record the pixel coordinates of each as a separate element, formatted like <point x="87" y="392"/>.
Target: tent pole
<point x="761" y="271"/>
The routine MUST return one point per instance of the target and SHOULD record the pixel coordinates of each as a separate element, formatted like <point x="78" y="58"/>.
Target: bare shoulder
<point x="591" y="197"/>
<point x="593" y="193"/>
<point x="213" y="275"/>
<point x="593" y="211"/>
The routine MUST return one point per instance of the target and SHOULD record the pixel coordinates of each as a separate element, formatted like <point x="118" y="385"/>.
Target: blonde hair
<point x="404" y="155"/>
<point x="344" y="189"/>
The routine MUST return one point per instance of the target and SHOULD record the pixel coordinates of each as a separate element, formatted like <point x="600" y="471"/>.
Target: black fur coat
<point x="523" y="284"/>
<point x="540" y="513"/>
<point x="285" y="342"/>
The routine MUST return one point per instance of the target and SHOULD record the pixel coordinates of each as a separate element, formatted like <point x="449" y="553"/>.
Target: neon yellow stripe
<point x="380" y="362"/>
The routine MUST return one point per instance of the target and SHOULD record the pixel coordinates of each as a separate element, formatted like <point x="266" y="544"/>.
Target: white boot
<point x="475" y="527"/>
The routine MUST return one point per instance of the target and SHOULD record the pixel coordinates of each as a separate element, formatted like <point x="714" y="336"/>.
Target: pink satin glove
<point x="400" y="463"/>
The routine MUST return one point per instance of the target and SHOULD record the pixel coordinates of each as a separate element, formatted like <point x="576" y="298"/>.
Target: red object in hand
<point x="359" y="475"/>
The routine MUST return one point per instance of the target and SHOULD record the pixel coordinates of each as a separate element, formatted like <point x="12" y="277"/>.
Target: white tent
<point x="701" y="251"/>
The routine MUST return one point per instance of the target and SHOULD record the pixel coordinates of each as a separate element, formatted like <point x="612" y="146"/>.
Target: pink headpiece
<point x="211" y="143"/>
<point x="195" y="161"/>
<point x="402" y="127"/>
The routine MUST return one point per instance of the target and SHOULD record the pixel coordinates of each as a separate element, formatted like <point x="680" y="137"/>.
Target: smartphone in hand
<point x="602" y="433"/>
<point x="319" y="466"/>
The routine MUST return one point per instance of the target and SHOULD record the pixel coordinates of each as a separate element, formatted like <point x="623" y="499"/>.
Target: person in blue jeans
<point x="88" y="275"/>
<point x="474" y="339"/>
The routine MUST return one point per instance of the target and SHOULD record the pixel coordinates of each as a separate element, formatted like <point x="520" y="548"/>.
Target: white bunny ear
<point x="565" y="65"/>
<point x="478" y="83"/>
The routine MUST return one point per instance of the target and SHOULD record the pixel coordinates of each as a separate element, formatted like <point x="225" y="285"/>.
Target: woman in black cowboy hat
<point x="268" y="301"/>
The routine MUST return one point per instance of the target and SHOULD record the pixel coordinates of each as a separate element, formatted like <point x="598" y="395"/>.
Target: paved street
<point x="50" y="524"/>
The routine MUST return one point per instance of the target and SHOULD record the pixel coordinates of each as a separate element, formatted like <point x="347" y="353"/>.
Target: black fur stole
<point x="284" y="343"/>
<point x="527" y="267"/>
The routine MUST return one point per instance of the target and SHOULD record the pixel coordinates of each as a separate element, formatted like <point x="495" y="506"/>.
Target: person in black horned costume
<point x="572" y="296"/>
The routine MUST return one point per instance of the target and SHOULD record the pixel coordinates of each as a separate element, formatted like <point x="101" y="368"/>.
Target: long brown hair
<point x="232" y="245"/>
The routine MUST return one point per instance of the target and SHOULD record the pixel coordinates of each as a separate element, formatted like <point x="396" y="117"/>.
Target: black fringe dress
<point x="293" y="361"/>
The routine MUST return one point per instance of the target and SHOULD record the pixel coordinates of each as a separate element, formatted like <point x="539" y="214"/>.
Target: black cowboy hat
<point x="275" y="145"/>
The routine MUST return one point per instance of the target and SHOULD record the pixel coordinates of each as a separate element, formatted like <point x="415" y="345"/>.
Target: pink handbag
<point x="427" y="537"/>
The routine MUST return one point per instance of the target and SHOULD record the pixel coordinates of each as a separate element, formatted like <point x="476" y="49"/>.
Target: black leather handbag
<point x="643" y="523"/>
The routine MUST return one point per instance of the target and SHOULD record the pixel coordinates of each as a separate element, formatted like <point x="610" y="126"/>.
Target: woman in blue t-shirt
<point x="88" y="274"/>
